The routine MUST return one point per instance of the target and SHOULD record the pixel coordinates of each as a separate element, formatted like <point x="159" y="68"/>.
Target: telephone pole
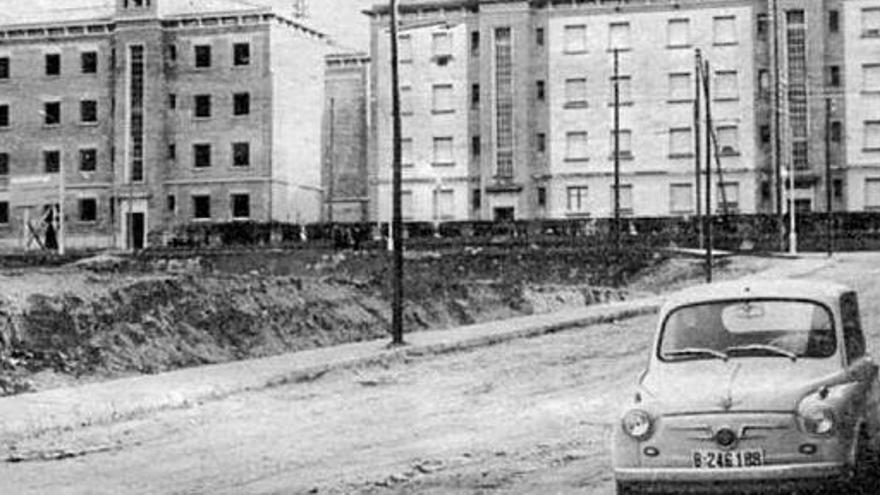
<point x="331" y="159"/>
<point x="396" y="221"/>
<point x="697" y="153"/>
<point x="829" y="226"/>
<point x="708" y="217"/>
<point x="617" y="152"/>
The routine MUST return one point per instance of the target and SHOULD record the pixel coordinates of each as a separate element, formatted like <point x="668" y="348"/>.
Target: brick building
<point x="157" y="114"/>
<point x="508" y="106"/>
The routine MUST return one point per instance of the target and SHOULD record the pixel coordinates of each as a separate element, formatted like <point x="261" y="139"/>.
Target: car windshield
<point x="749" y="327"/>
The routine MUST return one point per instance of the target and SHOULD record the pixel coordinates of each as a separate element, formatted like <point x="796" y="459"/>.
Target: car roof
<point x="762" y="288"/>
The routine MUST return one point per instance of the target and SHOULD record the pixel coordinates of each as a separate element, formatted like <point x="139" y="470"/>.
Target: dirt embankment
<point x="113" y="317"/>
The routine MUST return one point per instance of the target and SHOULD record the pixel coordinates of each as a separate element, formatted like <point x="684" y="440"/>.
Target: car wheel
<point x="866" y="472"/>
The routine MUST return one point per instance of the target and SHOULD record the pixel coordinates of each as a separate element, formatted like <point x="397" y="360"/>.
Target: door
<point x="137" y="229"/>
<point x="504" y="214"/>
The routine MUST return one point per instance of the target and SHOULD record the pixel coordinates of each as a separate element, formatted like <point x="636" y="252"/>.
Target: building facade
<point x="346" y="122"/>
<point x="509" y="107"/>
<point x="145" y="116"/>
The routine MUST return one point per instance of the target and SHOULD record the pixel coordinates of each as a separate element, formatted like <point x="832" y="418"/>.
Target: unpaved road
<point x="524" y="417"/>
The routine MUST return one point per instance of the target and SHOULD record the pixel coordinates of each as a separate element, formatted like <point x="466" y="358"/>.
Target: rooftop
<point x="758" y="288"/>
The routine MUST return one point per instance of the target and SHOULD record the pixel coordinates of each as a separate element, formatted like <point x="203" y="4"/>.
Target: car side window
<point x="854" y="340"/>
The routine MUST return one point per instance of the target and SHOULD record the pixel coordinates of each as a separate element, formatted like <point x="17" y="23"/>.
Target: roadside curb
<point x="30" y="415"/>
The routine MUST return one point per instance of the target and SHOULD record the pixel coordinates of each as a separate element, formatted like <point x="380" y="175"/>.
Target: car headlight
<point x="818" y="420"/>
<point x="638" y="424"/>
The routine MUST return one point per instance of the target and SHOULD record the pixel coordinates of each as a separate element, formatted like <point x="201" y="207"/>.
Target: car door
<point x="860" y="366"/>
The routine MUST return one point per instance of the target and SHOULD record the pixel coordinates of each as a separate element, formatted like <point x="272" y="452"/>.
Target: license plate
<point x="732" y="459"/>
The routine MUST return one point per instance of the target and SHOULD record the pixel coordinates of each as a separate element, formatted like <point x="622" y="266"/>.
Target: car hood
<point x="735" y="385"/>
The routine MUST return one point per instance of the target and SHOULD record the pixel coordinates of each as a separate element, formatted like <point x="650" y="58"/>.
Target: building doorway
<point x="505" y="214"/>
<point x="137" y="230"/>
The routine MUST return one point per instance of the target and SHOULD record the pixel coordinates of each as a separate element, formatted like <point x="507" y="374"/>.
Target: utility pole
<point x="708" y="217"/>
<point x="697" y="153"/>
<point x="617" y="152"/>
<point x="396" y="221"/>
<point x="777" y="138"/>
<point x="61" y="187"/>
<point x="829" y="226"/>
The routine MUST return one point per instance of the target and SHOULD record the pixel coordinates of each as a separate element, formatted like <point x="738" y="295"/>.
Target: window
<point x="542" y="196"/>
<point x="89" y="62"/>
<point x="172" y="101"/>
<point x="406" y="100"/>
<point x="51" y="161"/>
<point x="241" y="206"/>
<point x="442" y="98"/>
<point x="443" y="151"/>
<point x="201" y="155"/>
<point x="201" y="206"/>
<point x="172" y="151"/>
<point x="4" y="67"/>
<point x="539" y="36"/>
<point x="577" y="199"/>
<point x="728" y="197"/>
<point x="871" y="77"/>
<point x="202" y="56"/>
<point x="476" y="198"/>
<point x="576" y="93"/>
<point x="475" y="43"/>
<point x="834" y="76"/>
<point x="871" y="22"/>
<point x="624" y="88"/>
<point x="833" y="21"/>
<point x="540" y="90"/>
<point x="475" y="96"/>
<point x="241" y="104"/>
<point x="681" y="142"/>
<point x="800" y="155"/>
<point x="444" y="204"/>
<point x="476" y="146"/>
<point x="724" y="30"/>
<point x="872" y="135"/>
<point x="541" y="142"/>
<point x="576" y="145"/>
<point x="4" y="116"/>
<point x="241" y="154"/>
<point x="837" y="186"/>
<point x="681" y="198"/>
<point x="88" y="111"/>
<point x="202" y="106"/>
<point x="4" y="212"/>
<point x="626" y="199"/>
<point x="406" y="152"/>
<point x="171" y="203"/>
<point x="763" y="26"/>
<point x="53" y="64"/>
<point x="171" y="52"/>
<point x="836" y="132"/>
<point x="406" y="205"/>
<point x="680" y="89"/>
<point x="726" y="85"/>
<point x="765" y="135"/>
<point x="575" y="39"/>
<point x="728" y="139"/>
<point x="678" y="33"/>
<point x="624" y="143"/>
<point x="88" y="159"/>
<point x="619" y="36"/>
<point x="405" y="48"/>
<point x="853" y="338"/>
<point x="52" y="113"/>
<point x="88" y="209"/>
<point x="241" y="54"/>
<point x="441" y="44"/>
<point x="4" y="164"/>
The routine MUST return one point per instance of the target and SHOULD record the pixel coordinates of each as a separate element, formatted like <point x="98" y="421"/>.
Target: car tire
<point x="866" y="472"/>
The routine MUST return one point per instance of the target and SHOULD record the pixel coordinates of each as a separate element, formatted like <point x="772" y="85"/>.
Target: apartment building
<point x="150" y="114"/>
<point x="536" y="100"/>
<point x="346" y="121"/>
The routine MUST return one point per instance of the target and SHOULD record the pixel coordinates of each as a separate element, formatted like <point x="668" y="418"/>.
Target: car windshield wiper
<point x="696" y="351"/>
<point x="763" y="347"/>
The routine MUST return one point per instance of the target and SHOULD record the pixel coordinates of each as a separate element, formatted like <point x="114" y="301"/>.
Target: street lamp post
<point x="396" y="221"/>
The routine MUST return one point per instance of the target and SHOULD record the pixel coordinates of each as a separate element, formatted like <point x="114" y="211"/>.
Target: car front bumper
<point x="680" y="479"/>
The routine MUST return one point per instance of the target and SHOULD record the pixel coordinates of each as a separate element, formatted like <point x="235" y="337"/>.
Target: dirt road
<point x="523" y="417"/>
